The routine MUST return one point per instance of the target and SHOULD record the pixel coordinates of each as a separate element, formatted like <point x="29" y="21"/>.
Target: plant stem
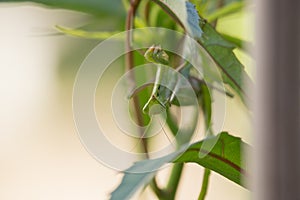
<point x="159" y="192"/>
<point x="174" y="180"/>
<point x="130" y="65"/>
<point x="129" y="26"/>
<point x="169" y="192"/>
<point x="147" y="13"/>
<point x="207" y="110"/>
<point x="177" y="168"/>
<point x="172" y="124"/>
<point x="204" y="186"/>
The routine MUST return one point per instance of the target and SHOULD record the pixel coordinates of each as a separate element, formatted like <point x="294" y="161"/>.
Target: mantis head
<point x="156" y="54"/>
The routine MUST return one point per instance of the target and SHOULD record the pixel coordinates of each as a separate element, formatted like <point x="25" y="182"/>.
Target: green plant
<point x="225" y="157"/>
<point x="197" y="19"/>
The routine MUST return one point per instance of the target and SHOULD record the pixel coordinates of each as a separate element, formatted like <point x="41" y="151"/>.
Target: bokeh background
<point x="41" y="156"/>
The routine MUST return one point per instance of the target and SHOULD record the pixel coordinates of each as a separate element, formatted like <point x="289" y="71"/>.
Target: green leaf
<point x="212" y="9"/>
<point x="139" y="175"/>
<point x="239" y="43"/>
<point x="224" y="158"/>
<point x="221" y="52"/>
<point x="184" y="13"/>
<point x="96" y="7"/>
<point x="85" y="34"/>
<point x="226" y="10"/>
<point x="213" y="38"/>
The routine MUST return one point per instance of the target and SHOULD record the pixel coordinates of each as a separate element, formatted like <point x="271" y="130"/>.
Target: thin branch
<point x="130" y="65"/>
<point x="147" y="13"/>
<point x="129" y="26"/>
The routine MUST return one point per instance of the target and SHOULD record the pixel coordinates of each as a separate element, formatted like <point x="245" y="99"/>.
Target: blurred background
<point x="41" y="156"/>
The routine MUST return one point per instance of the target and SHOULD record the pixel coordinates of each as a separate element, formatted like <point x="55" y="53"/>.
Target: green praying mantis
<point x="167" y="84"/>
